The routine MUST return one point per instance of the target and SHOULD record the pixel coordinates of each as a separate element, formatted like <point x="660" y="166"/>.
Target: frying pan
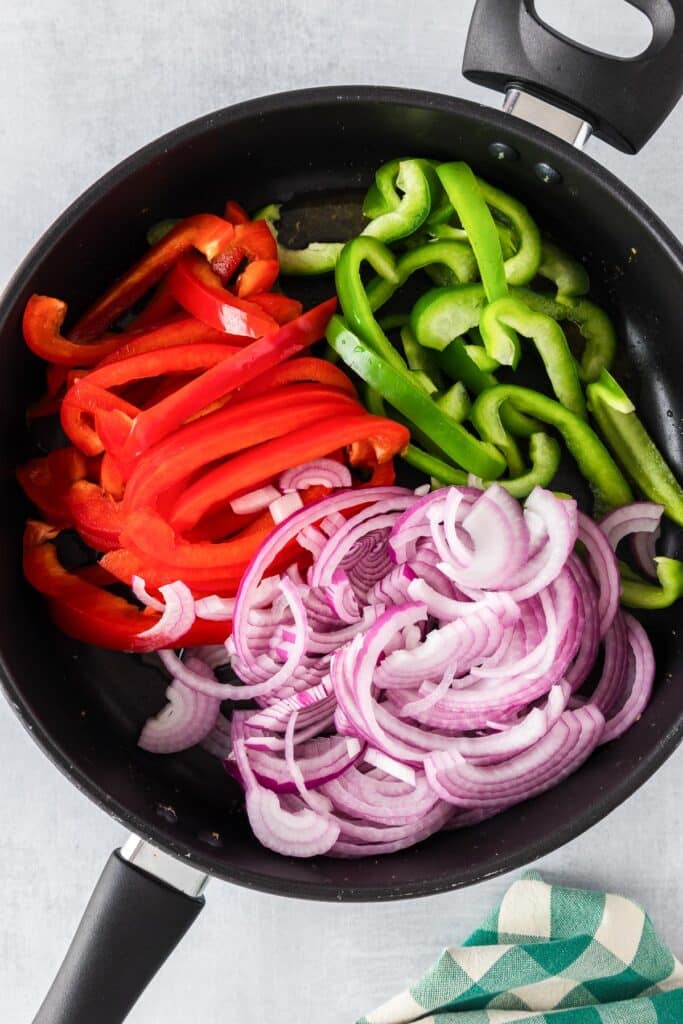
<point x="316" y="151"/>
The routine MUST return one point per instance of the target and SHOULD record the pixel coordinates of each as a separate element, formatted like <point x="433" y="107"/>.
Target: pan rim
<point x="203" y="857"/>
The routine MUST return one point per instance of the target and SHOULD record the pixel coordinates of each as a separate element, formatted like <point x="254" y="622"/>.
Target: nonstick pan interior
<point x="316" y="152"/>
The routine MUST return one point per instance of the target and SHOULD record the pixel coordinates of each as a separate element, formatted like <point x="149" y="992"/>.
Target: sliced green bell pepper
<point x="353" y="297"/>
<point x="467" y="199"/>
<point x="433" y="466"/>
<point x="568" y="275"/>
<point x="632" y="446"/>
<point x="639" y="594"/>
<point x="315" y="258"/>
<point x="395" y="216"/>
<point x="547" y="336"/>
<point x="456" y="257"/>
<point x="594" y="325"/>
<point x="545" y="456"/>
<point x="609" y="487"/>
<point x="397" y="387"/>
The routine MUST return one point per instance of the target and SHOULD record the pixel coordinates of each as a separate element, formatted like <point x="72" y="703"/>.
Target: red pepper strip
<point x="178" y="359"/>
<point x="159" y="307"/>
<point x="221" y="525"/>
<point x="111" y="479"/>
<point x="124" y="564"/>
<point x="205" y="232"/>
<point x="280" y="307"/>
<point x="304" y="368"/>
<point x="46" y="482"/>
<point x="194" y="285"/>
<point x="227" y="431"/>
<point x="95" y="514"/>
<point x="181" y="330"/>
<point x="43" y="318"/>
<point x="154" y="424"/>
<point x="85" y="399"/>
<point x="256" y="239"/>
<point x="383" y="475"/>
<point x="235" y="213"/>
<point x="91" y="614"/>
<point x="95" y="574"/>
<point x="257" y="276"/>
<point x="167" y="386"/>
<point x="226" y="264"/>
<point x="249" y="469"/>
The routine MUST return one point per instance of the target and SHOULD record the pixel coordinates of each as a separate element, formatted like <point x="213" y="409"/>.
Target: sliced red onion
<point x="604" y="568"/>
<point x="638" y="517"/>
<point x="542" y="766"/>
<point x="639" y="677"/>
<point x="254" y="501"/>
<point x="184" y="721"/>
<point x="301" y="833"/>
<point x="323" y="472"/>
<point x="176" y="618"/>
<point x="138" y="587"/>
<point x="644" y="551"/>
<point x="400" y="771"/>
<point x="215" y="608"/>
<point x="284" y="506"/>
<point x="218" y="743"/>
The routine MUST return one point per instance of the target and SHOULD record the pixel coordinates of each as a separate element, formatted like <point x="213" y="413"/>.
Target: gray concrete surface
<point x="82" y="84"/>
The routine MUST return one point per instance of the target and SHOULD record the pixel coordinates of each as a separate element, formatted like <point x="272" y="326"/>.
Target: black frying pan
<point x="317" y="150"/>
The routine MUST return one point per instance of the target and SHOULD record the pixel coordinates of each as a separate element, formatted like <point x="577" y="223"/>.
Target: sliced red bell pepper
<point x="200" y="292"/>
<point x="43" y="319"/>
<point x="280" y="307"/>
<point x="95" y="514"/>
<point x="159" y="307"/>
<point x="233" y="429"/>
<point x="91" y="614"/>
<point x="111" y="479"/>
<point x="205" y="232"/>
<point x="179" y="330"/>
<point x="81" y="403"/>
<point x="177" y="359"/>
<point x="257" y="276"/>
<point x="226" y="264"/>
<point x="124" y="564"/>
<point x="251" y="468"/>
<point x="235" y="213"/>
<point x="46" y="481"/>
<point x="303" y="368"/>
<point x="256" y="239"/>
<point x="154" y="424"/>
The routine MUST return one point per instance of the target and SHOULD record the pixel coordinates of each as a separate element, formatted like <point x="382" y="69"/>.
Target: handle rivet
<point x="501" y="151"/>
<point x="547" y="174"/>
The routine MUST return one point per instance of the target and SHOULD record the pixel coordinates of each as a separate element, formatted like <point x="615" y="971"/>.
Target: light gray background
<point x="83" y="83"/>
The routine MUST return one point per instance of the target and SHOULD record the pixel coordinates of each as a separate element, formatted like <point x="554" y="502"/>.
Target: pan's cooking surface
<point x="88" y="704"/>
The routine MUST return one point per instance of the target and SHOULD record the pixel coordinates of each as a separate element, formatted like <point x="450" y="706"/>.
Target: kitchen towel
<point x="549" y="955"/>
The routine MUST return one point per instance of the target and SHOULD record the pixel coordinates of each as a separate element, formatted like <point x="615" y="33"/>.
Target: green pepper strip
<point x="547" y="336"/>
<point x="442" y="314"/>
<point x="594" y="461"/>
<point x="632" y="446"/>
<point x="421" y="359"/>
<point x="352" y="295"/>
<point x="433" y="466"/>
<point x="545" y="456"/>
<point x="455" y="402"/>
<point x="459" y="365"/>
<point x="648" y="595"/>
<point x="469" y="203"/>
<point x="413" y="206"/>
<point x="457" y="257"/>
<point x="315" y="258"/>
<point x="397" y="387"/>
<point x="161" y="228"/>
<point x="523" y="265"/>
<point x="568" y="275"/>
<point x="594" y="325"/>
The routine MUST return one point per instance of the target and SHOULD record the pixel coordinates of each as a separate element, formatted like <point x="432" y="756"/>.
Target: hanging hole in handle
<point x="613" y="27"/>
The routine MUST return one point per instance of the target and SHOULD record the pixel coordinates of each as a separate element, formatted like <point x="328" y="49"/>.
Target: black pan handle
<point x="129" y="927"/>
<point x="624" y="99"/>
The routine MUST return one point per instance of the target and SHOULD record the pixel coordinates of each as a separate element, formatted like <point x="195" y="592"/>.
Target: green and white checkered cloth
<point x="549" y="955"/>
